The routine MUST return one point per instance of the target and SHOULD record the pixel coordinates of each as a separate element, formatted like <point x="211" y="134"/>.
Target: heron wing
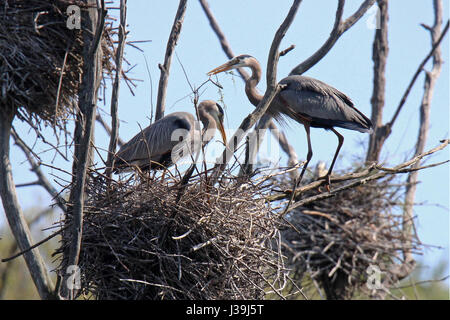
<point x="155" y="143"/>
<point x="324" y="105"/>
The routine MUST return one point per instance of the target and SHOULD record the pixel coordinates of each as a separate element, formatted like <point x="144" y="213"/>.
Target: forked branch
<point x="272" y="89"/>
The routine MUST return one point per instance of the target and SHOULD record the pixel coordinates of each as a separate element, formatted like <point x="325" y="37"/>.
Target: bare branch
<point x="272" y="90"/>
<point x="373" y="176"/>
<point x="380" y="51"/>
<point x="372" y="172"/>
<point x="279" y="135"/>
<point x="42" y="179"/>
<point x="434" y="48"/>
<point x="383" y="131"/>
<point x="115" y="90"/>
<point x="171" y="43"/>
<point x="15" y="216"/>
<point x="94" y="20"/>
<point x="8" y="266"/>
<point x="338" y="29"/>
<point x="425" y="107"/>
<point x="107" y="128"/>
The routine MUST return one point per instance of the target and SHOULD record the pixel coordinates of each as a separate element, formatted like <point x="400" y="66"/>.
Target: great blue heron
<point x="311" y="102"/>
<point x="170" y="138"/>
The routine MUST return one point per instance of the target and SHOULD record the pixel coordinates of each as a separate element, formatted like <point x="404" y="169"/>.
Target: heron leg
<point x="310" y="153"/>
<point x="341" y="141"/>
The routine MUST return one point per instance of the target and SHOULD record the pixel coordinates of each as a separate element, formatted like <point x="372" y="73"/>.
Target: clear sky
<point x="249" y="27"/>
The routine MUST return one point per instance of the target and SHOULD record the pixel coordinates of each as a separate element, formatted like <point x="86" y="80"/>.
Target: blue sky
<point x="249" y="26"/>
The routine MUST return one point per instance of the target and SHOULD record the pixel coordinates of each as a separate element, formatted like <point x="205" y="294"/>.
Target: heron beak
<point x="226" y="66"/>
<point x="222" y="132"/>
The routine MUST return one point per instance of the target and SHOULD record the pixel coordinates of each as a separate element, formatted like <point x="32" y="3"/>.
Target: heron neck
<point x="250" y="84"/>
<point x="209" y="126"/>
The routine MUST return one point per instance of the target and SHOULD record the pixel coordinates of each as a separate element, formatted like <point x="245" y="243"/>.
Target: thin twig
<point x="279" y="135"/>
<point x="115" y="90"/>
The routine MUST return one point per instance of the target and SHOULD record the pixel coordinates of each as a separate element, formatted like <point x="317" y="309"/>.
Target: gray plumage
<point x="326" y="106"/>
<point x="169" y="139"/>
<point x="308" y="101"/>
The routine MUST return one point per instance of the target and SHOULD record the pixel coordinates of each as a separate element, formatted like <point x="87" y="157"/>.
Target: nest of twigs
<point x="339" y="242"/>
<point x="41" y="58"/>
<point x="146" y="240"/>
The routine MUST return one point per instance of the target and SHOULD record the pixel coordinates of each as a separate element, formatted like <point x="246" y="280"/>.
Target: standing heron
<point x="308" y="101"/>
<point x="171" y="138"/>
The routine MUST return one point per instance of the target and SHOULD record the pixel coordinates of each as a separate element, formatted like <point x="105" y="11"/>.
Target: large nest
<point x="345" y="242"/>
<point x="41" y="58"/>
<point x="144" y="240"/>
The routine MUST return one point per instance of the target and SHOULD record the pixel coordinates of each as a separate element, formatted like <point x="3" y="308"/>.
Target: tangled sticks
<point x="41" y="59"/>
<point x="140" y="242"/>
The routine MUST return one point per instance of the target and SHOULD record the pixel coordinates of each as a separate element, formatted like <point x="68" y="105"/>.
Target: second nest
<point x="141" y="242"/>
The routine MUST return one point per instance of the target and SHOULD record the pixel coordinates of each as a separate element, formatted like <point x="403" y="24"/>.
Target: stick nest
<point x="139" y="242"/>
<point x="339" y="242"/>
<point x="41" y="59"/>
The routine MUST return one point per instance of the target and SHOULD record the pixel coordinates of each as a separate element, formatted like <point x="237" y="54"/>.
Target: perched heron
<point x="171" y="138"/>
<point x="308" y="101"/>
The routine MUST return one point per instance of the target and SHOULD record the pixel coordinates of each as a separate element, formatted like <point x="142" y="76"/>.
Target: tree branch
<point x="42" y="179"/>
<point x="13" y="247"/>
<point x="424" y="122"/>
<point x="94" y="22"/>
<point x="279" y="135"/>
<point x="380" y="52"/>
<point x="115" y="90"/>
<point x="338" y="29"/>
<point x="171" y="43"/>
<point x="272" y="89"/>
<point x="382" y="132"/>
<point x="107" y="128"/>
<point x="434" y="47"/>
<point x="373" y="175"/>
<point x="15" y="216"/>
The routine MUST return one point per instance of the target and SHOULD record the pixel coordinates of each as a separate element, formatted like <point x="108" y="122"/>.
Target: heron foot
<point x="327" y="179"/>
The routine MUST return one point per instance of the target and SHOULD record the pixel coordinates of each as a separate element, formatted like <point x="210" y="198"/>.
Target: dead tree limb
<point x="107" y="128"/>
<point x="273" y="88"/>
<point x="338" y="29"/>
<point x="359" y="176"/>
<point x="15" y="216"/>
<point x="279" y="135"/>
<point x="42" y="179"/>
<point x="373" y="175"/>
<point x="171" y="43"/>
<point x="380" y="52"/>
<point x="424" y="122"/>
<point x="94" y="20"/>
<point x="8" y="266"/>
<point x="116" y="86"/>
<point x="383" y="131"/>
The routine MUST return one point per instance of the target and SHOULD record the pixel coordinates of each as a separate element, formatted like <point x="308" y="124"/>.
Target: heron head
<point x="216" y="112"/>
<point x="243" y="60"/>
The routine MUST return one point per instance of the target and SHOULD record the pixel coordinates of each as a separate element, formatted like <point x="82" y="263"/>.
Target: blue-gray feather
<point x="324" y="105"/>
